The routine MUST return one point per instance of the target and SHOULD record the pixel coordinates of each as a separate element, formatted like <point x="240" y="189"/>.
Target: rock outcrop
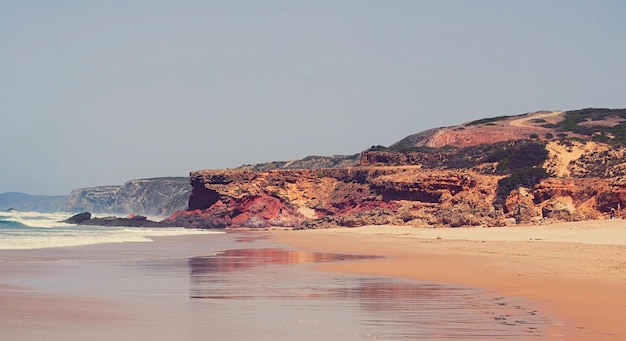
<point x="155" y="197"/>
<point x="92" y="199"/>
<point x="345" y="197"/>
<point x="85" y="218"/>
<point x="78" y="218"/>
<point x="401" y="195"/>
<point x="532" y="168"/>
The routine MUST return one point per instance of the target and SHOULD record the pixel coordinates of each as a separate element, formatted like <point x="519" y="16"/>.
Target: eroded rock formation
<point x="532" y="168"/>
<point x="389" y="195"/>
<point x="85" y="218"/>
<point x="157" y="196"/>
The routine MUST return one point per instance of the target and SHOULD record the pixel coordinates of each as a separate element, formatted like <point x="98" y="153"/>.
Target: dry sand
<point x="575" y="271"/>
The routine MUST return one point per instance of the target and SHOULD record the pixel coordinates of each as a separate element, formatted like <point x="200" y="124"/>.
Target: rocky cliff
<point x="404" y="195"/>
<point x="157" y="197"/>
<point x="532" y="168"/>
<point x="94" y="199"/>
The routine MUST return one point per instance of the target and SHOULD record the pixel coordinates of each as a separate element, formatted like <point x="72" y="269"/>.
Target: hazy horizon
<point x="97" y="93"/>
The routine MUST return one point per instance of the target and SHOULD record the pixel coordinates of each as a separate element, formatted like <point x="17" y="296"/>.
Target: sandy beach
<point x="567" y="279"/>
<point x="575" y="271"/>
<point x="240" y="285"/>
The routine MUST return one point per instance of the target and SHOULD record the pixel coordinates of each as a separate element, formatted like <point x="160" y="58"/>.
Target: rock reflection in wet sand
<point x="365" y="306"/>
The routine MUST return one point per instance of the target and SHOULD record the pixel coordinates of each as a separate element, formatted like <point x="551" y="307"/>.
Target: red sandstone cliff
<point x="577" y="180"/>
<point x="387" y="195"/>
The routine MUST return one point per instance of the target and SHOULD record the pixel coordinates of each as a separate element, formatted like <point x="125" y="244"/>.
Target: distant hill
<point x="591" y="124"/>
<point x="26" y="202"/>
<point x="156" y="196"/>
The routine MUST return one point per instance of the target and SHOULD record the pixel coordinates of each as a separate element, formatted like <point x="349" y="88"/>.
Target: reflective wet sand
<point x="235" y="287"/>
<point x="358" y="306"/>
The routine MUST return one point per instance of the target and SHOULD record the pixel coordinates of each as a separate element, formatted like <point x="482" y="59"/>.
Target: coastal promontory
<point x="534" y="168"/>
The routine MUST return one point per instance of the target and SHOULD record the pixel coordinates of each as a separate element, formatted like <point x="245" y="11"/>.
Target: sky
<point x="99" y="92"/>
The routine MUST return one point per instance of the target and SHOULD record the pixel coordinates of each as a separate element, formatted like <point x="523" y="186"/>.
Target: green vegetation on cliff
<point x="520" y="160"/>
<point x="600" y="125"/>
<point x="488" y="120"/>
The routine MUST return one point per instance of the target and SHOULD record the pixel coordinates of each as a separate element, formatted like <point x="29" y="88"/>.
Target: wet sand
<point x="575" y="271"/>
<point x="241" y="286"/>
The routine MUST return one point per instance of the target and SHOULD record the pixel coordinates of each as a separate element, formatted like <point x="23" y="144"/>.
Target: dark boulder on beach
<point x="78" y="218"/>
<point x="130" y="221"/>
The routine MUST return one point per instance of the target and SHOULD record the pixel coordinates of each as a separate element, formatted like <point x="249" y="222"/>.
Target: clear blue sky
<point x="99" y="92"/>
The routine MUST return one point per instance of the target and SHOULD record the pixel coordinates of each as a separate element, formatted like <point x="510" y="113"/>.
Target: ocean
<point x="35" y="230"/>
<point x="67" y="282"/>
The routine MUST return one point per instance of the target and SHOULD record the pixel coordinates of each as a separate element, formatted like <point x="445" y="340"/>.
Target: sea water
<point x="165" y="284"/>
<point x="35" y="230"/>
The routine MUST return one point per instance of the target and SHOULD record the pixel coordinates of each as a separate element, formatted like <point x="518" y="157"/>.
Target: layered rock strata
<point x="402" y="195"/>
<point x="531" y="168"/>
<point x="426" y="192"/>
<point x="156" y="197"/>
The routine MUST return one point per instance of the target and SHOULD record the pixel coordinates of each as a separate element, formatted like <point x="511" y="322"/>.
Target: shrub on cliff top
<point x="524" y="165"/>
<point x="523" y="177"/>
<point x="487" y="120"/>
<point x="377" y="148"/>
<point x="526" y="154"/>
<point x="404" y="149"/>
<point x="572" y="121"/>
<point x="509" y="155"/>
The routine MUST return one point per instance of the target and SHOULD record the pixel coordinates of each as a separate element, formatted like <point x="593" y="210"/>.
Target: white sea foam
<point x="60" y="237"/>
<point x="43" y="230"/>
<point x="37" y="219"/>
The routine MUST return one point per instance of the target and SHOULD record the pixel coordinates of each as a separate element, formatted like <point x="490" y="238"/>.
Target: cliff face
<point x="532" y="168"/>
<point x="158" y="196"/>
<point x="401" y="195"/>
<point x="93" y="199"/>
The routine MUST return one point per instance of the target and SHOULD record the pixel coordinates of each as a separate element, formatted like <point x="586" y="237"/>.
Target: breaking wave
<point x="35" y="219"/>
<point x="11" y="224"/>
<point x="35" y="230"/>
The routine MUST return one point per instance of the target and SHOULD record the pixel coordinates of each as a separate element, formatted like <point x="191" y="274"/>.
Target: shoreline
<point x="572" y="273"/>
<point x="576" y="272"/>
<point x="180" y="287"/>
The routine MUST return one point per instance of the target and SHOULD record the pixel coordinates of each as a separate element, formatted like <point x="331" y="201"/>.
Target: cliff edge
<point x="155" y="197"/>
<point x="532" y="168"/>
